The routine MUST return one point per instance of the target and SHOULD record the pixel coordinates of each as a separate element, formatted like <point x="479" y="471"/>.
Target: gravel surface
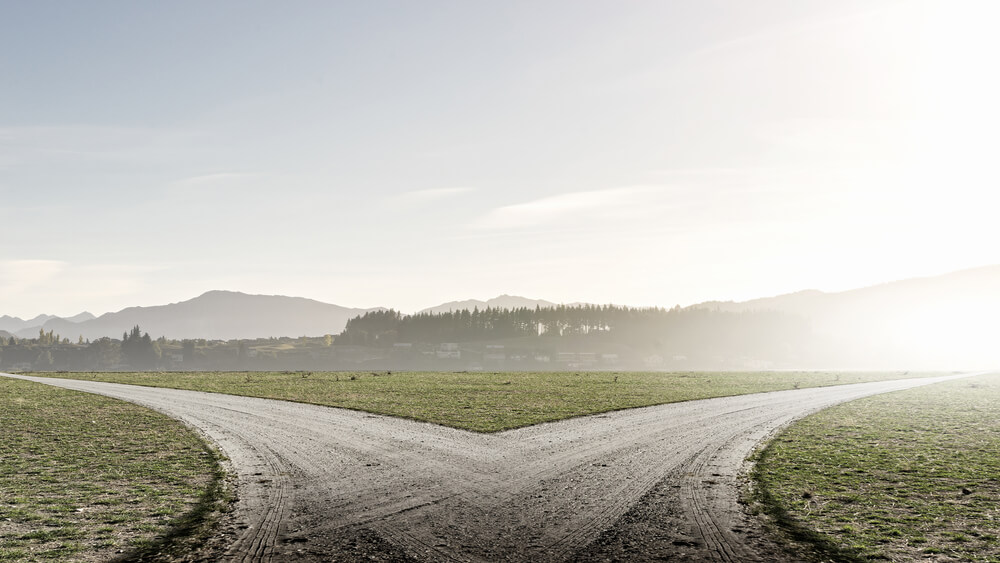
<point x="654" y="483"/>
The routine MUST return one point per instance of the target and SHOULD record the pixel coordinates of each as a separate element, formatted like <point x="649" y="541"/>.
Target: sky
<point x="404" y="154"/>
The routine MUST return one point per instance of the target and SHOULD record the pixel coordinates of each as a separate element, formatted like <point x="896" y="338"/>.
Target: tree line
<point x="523" y="338"/>
<point x="136" y="349"/>
<point x="673" y="331"/>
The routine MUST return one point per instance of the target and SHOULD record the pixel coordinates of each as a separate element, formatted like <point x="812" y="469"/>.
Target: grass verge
<point x="902" y="476"/>
<point x="483" y="401"/>
<point x="88" y="478"/>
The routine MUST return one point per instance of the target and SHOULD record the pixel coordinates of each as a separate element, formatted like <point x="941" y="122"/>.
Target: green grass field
<point x="903" y="476"/>
<point x="484" y="401"/>
<point x="85" y="478"/>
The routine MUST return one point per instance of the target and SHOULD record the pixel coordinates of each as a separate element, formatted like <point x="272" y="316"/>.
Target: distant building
<point x="449" y="350"/>
<point x="402" y="349"/>
<point x="566" y="357"/>
<point x="495" y="354"/>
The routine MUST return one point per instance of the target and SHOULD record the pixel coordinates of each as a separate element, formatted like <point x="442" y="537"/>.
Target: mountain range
<point x="959" y="308"/>
<point x="977" y="285"/>
<point x="941" y="320"/>
<point x="227" y="315"/>
<point x="14" y="324"/>
<point x="215" y="315"/>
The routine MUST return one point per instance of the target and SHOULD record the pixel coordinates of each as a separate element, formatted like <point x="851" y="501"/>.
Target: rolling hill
<point x="945" y="320"/>
<point x="949" y="319"/>
<point x="14" y="324"/>
<point x="215" y="315"/>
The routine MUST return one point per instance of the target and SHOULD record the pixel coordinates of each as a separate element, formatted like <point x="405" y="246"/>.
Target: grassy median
<point x="903" y="476"/>
<point x="486" y="401"/>
<point x="88" y="478"/>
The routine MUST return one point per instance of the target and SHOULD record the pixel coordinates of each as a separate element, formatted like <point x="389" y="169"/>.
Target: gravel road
<point x="655" y="483"/>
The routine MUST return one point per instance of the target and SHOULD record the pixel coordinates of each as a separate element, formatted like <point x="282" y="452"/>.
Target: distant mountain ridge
<point x="215" y="315"/>
<point x="14" y="324"/>
<point x="979" y="284"/>
<point x="82" y="317"/>
<point x="502" y="302"/>
<point x="228" y="315"/>
<point x="959" y="309"/>
<point x="944" y="320"/>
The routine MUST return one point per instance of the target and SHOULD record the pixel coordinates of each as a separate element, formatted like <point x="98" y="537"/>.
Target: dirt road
<point x="319" y="483"/>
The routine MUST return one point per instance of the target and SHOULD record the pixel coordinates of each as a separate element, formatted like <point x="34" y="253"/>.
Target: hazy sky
<point x="408" y="153"/>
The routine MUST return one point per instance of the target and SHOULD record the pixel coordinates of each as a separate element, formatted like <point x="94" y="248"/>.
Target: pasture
<point x="85" y="478"/>
<point x="902" y="476"/>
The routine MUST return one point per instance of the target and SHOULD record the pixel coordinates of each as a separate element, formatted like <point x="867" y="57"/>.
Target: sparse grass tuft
<point x="899" y="476"/>
<point x="84" y="477"/>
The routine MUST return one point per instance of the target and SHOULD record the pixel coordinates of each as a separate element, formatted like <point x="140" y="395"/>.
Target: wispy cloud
<point x="97" y="286"/>
<point x="79" y="143"/>
<point x="209" y="180"/>
<point x="18" y="276"/>
<point x="430" y="194"/>
<point x="877" y="139"/>
<point x="825" y="23"/>
<point x="714" y="172"/>
<point x="209" y="190"/>
<point x="608" y="203"/>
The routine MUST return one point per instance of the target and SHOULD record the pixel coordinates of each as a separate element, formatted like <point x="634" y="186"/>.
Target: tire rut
<point x="267" y="504"/>
<point x="324" y="483"/>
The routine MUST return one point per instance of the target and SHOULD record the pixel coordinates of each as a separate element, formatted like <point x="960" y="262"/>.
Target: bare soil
<point x="655" y="483"/>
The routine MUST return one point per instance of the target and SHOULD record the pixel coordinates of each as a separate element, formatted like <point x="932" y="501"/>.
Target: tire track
<point x="267" y="505"/>
<point x="324" y="483"/>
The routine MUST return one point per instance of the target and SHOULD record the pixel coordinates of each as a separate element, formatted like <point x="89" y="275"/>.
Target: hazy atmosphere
<point x="407" y="154"/>
<point x="516" y="280"/>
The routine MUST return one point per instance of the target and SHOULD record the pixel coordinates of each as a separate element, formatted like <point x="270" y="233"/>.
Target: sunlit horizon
<point x="650" y="154"/>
